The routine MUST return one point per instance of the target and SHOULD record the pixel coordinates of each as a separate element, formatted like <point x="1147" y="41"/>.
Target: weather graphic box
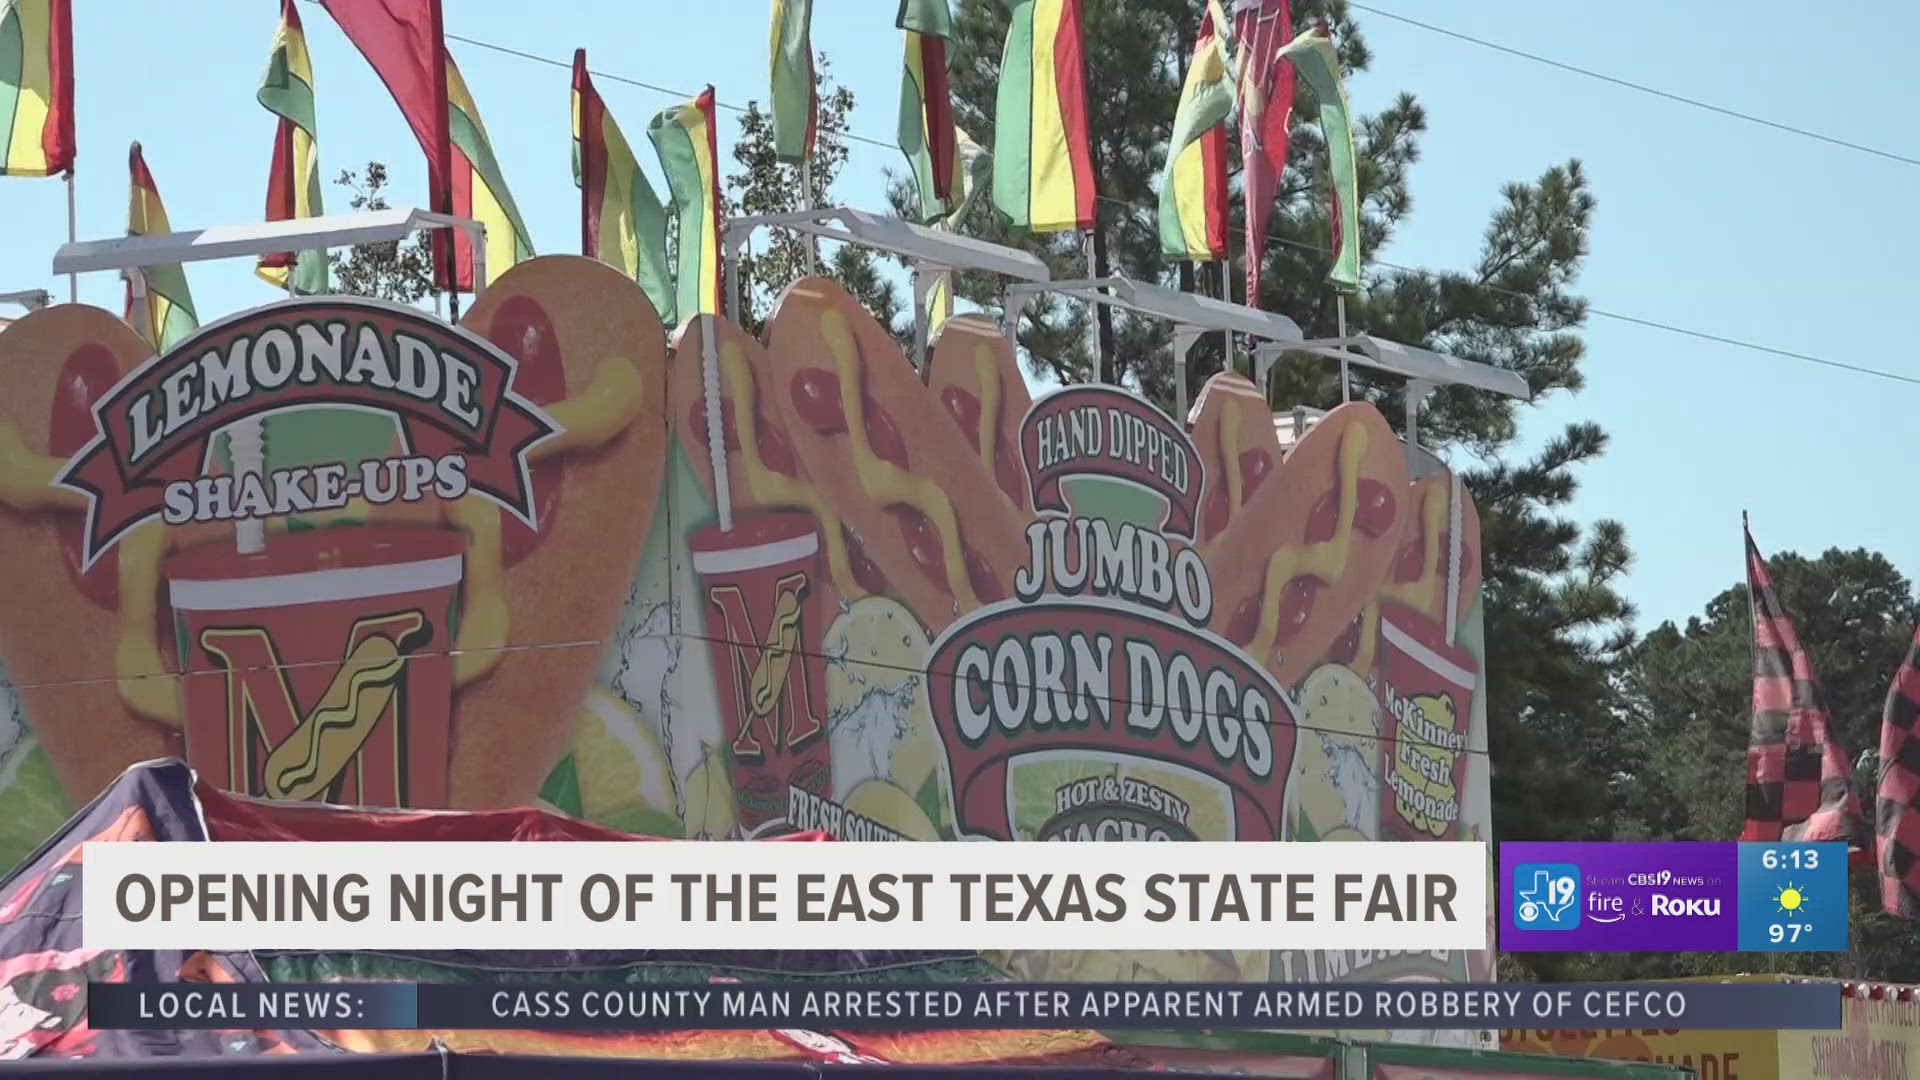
<point x="1793" y="897"/>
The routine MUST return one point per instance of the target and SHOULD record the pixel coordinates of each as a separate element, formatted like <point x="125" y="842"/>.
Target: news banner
<point x="1102" y="896"/>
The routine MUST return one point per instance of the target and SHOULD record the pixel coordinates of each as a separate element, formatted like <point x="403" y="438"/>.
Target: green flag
<point x="1313" y="56"/>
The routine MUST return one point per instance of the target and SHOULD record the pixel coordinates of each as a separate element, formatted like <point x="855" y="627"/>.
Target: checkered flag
<point x="1799" y="780"/>
<point x="1897" y="813"/>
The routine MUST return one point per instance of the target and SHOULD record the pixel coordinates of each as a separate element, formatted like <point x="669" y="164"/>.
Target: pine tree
<point x="763" y="184"/>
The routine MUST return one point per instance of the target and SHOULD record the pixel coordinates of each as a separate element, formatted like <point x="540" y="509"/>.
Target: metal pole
<point x="807" y="200"/>
<point x="1340" y="309"/>
<point x="137" y="287"/>
<point x="921" y="282"/>
<point x="1226" y="335"/>
<point x="73" y="235"/>
<point x="1093" y="313"/>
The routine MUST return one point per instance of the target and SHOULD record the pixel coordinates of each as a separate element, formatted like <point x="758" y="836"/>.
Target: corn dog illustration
<point x="1330" y="519"/>
<point x="973" y="374"/>
<point x="1234" y="436"/>
<point x="64" y="627"/>
<point x="873" y="437"/>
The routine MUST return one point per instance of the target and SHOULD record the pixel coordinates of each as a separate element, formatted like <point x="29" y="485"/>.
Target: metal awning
<point x="1424" y="370"/>
<point x="262" y="237"/>
<point x="1407" y="361"/>
<point x="928" y="252"/>
<point x="31" y="299"/>
<point x="1191" y="314"/>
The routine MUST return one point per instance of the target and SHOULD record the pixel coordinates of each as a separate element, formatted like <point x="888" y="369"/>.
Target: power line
<point x="611" y="77"/>
<point x="1653" y="91"/>
<point x="1652" y="324"/>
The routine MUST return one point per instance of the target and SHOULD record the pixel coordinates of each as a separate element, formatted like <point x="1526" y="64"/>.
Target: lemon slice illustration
<point x="625" y="779"/>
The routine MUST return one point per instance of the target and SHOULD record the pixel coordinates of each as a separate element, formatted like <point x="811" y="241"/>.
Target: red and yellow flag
<point x="686" y="140"/>
<point x="1193" y="196"/>
<point x="36" y="87"/>
<point x="293" y="183"/>
<point x="168" y="317"/>
<point x="926" y="105"/>
<point x="480" y="190"/>
<point x="622" y="222"/>
<point x="1042" y="163"/>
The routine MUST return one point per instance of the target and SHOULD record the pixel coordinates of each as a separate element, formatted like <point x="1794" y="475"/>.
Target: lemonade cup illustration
<point x="1426" y="690"/>
<point x="760" y="583"/>
<point x="318" y="667"/>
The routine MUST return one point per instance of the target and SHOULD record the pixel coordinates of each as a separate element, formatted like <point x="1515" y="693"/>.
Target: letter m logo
<point x="772" y="690"/>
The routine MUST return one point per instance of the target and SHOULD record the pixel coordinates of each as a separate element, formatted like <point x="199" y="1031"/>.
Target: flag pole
<point x="806" y="200"/>
<point x="73" y="235"/>
<point x="1340" y="313"/>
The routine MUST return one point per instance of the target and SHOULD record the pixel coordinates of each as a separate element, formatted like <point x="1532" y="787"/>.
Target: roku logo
<point x="1673" y="905"/>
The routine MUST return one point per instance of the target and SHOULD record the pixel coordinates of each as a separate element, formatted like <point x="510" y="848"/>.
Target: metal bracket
<point x="31" y="299"/>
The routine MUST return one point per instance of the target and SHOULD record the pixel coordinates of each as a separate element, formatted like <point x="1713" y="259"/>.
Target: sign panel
<point x="332" y="549"/>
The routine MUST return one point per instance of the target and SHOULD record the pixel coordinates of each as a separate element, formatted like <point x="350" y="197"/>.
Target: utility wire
<point x="1636" y="320"/>
<point x="1653" y="91"/>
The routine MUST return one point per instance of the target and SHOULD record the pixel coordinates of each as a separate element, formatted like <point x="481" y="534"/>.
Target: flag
<point x="1042" y="166"/>
<point x="480" y="190"/>
<point x="796" y="103"/>
<point x="405" y="44"/>
<point x="1799" y="779"/>
<point x="1313" y="56"/>
<point x="1193" y="194"/>
<point x="926" y="104"/>
<point x="293" y="182"/>
<point x="685" y="138"/>
<point x="1897" y="805"/>
<point x="36" y="87"/>
<point x="622" y="222"/>
<point x="1266" y="110"/>
<point x="169" y="306"/>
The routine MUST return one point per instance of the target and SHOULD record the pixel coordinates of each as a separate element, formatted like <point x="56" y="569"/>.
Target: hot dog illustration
<point x="1329" y="521"/>
<point x="430" y="517"/>
<point x="874" y="438"/>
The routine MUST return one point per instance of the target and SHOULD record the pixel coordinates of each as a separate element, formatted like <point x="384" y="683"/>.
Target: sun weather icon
<point x="1791" y="900"/>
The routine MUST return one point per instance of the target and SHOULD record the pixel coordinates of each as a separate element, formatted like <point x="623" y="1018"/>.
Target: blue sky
<point x="1704" y="221"/>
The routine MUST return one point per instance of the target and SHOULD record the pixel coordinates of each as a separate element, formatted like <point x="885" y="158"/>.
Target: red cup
<point x="766" y="636"/>
<point x="320" y="668"/>
<point x="1426" y="699"/>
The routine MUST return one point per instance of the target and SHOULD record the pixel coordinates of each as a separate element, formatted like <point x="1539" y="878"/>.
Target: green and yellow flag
<point x="1042" y="163"/>
<point x="796" y="104"/>
<point x="480" y="189"/>
<point x="169" y="316"/>
<point x="1314" y="57"/>
<point x="685" y="138"/>
<point x="293" y="182"/>
<point x="1193" y="194"/>
<point x="622" y="222"/>
<point x="36" y="87"/>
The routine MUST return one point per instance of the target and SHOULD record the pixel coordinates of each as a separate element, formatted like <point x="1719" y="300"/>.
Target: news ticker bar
<point x="855" y="1006"/>
<point x="1673" y="897"/>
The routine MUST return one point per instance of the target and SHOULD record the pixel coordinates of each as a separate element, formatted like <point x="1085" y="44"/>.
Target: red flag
<point x="1266" y="109"/>
<point x="1897" y="801"/>
<point x="405" y="41"/>
<point x="1799" y="778"/>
